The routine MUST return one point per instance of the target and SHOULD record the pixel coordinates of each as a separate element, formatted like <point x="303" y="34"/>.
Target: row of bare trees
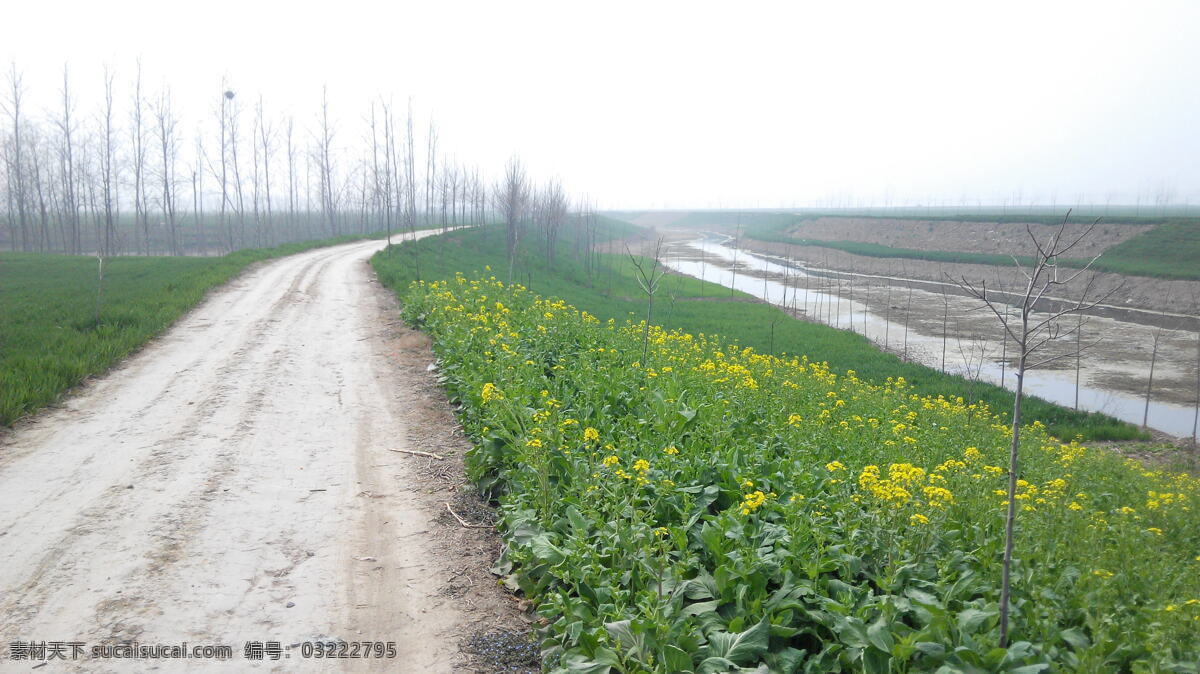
<point x="525" y="209"/>
<point x="119" y="176"/>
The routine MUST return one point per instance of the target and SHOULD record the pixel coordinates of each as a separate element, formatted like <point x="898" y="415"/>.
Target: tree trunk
<point x="1011" y="514"/>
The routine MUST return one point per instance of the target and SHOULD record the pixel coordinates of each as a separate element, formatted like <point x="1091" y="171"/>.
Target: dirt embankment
<point x="249" y="476"/>
<point x="1004" y="238"/>
<point x="1144" y="295"/>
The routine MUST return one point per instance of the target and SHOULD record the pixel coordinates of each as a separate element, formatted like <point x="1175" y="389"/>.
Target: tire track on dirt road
<point x="232" y="482"/>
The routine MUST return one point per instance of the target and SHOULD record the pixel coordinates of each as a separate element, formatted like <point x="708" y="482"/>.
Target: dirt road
<point x="234" y="482"/>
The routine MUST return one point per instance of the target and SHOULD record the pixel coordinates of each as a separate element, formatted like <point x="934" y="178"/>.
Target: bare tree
<point x="325" y="165"/>
<point x="973" y="350"/>
<point x="40" y="190"/>
<point x="649" y="278"/>
<point x="168" y="142"/>
<point x="1030" y="334"/>
<point x="945" y="321"/>
<point x="108" y="175"/>
<point x="511" y="198"/>
<point x="291" y="149"/>
<point x="137" y="132"/>
<point x="223" y="175"/>
<point x="431" y="172"/>
<point x="66" y="128"/>
<point x="410" y="176"/>
<point x="737" y="239"/>
<point x="197" y="201"/>
<point x="887" y="317"/>
<point x="16" y="165"/>
<point x="554" y="209"/>
<point x="1078" y="354"/>
<point x="850" y="305"/>
<point x="837" y="314"/>
<point x="385" y="188"/>
<point x="238" y="201"/>
<point x="1155" y="340"/>
<point x="375" y="176"/>
<point x="256" y="186"/>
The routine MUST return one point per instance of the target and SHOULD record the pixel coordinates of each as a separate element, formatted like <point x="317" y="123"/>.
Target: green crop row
<point x="679" y="503"/>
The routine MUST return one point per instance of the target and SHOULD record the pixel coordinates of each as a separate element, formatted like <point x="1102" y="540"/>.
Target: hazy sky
<point x="672" y="104"/>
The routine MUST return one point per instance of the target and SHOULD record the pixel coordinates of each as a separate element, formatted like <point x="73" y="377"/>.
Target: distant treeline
<point x="195" y="234"/>
<point x="119" y="177"/>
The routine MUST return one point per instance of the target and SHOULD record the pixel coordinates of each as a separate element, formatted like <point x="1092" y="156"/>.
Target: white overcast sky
<point x="694" y="104"/>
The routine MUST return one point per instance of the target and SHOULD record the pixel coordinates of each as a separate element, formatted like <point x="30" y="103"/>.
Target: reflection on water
<point x="835" y="301"/>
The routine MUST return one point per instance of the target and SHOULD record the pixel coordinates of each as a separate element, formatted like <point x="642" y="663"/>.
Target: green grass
<point x="50" y="339"/>
<point x="1171" y="250"/>
<point x="613" y="292"/>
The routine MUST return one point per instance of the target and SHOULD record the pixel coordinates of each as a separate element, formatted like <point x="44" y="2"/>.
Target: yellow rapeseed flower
<point x="591" y="435"/>
<point x="490" y="392"/>
<point x="938" y="496"/>
<point x="753" y="501"/>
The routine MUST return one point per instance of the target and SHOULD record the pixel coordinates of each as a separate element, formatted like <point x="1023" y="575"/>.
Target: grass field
<point x="50" y="339"/>
<point x="612" y="292"/>
<point x="680" y="503"/>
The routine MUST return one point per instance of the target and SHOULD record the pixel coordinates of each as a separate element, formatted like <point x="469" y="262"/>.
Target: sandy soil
<point x="235" y="481"/>
<point x="1006" y="238"/>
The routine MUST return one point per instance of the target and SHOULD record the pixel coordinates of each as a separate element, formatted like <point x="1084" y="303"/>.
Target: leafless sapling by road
<point x="1030" y="333"/>
<point x="648" y="278"/>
